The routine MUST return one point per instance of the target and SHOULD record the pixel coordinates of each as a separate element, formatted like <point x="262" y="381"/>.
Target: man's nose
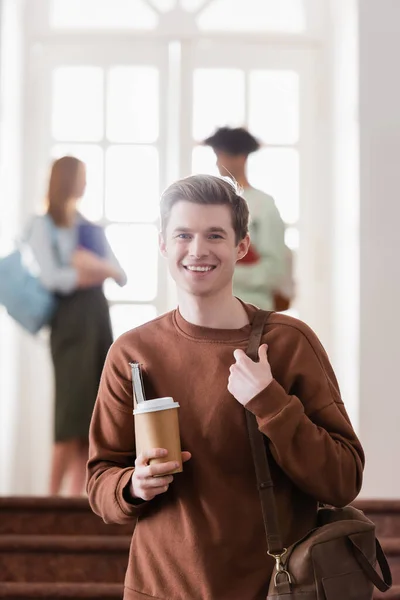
<point x="198" y="247"/>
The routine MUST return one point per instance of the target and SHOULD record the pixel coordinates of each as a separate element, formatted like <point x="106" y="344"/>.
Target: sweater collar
<point x="209" y="334"/>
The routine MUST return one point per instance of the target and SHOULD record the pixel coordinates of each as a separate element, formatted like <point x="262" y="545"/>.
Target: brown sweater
<point x="204" y="538"/>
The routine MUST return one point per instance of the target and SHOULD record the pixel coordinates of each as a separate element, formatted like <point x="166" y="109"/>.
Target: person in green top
<point x="259" y="277"/>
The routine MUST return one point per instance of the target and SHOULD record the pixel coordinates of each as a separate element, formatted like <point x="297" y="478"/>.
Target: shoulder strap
<point x="264" y="480"/>
<point x="31" y="224"/>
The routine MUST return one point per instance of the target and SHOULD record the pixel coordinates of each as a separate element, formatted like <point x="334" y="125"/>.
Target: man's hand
<point x="248" y="378"/>
<point x="148" y="480"/>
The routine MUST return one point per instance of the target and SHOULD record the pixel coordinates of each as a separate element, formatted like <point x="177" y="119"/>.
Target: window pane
<point x="276" y="172"/>
<point x="132" y="109"/>
<point x="91" y="205"/>
<point x="77" y="104"/>
<point x="191" y="5"/>
<point x="254" y="15"/>
<point x="274" y="106"/>
<point x="102" y="14"/>
<point x="132" y="187"/>
<point x="218" y="100"/>
<point x="164" y="5"/>
<point x="128" y="316"/>
<point x="203" y="161"/>
<point x="136" y="247"/>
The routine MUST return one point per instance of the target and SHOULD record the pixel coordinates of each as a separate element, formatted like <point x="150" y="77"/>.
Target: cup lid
<point x="155" y="404"/>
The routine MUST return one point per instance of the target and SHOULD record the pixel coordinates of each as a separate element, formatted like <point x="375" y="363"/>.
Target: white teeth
<point x="202" y="269"/>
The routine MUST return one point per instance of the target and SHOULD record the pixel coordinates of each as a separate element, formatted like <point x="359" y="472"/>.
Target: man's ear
<point x="243" y="247"/>
<point x="161" y="244"/>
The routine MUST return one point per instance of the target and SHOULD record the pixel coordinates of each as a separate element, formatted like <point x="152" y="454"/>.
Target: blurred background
<point x="132" y="87"/>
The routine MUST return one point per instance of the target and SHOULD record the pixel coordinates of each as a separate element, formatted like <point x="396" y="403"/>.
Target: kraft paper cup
<point x="157" y="426"/>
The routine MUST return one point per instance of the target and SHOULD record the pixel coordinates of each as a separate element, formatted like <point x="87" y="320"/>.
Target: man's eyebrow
<point x="217" y="230"/>
<point x="209" y="230"/>
<point x="181" y="230"/>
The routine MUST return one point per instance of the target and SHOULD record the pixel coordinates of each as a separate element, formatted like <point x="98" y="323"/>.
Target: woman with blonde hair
<point x="80" y="329"/>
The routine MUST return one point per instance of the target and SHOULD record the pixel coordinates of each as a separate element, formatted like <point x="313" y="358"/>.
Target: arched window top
<point x="288" y="16"/>
<point x="179" y="16"/>
<point x="92" y="15"/>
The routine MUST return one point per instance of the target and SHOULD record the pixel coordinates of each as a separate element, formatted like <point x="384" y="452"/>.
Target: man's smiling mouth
<point x="200" y="268"/>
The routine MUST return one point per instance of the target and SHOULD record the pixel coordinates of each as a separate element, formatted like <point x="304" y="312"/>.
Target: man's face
<point x="199" y="243"/>
<point x="229" y="164"/>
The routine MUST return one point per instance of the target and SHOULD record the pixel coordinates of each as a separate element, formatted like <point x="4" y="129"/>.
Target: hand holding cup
<point x="150" y="480"/>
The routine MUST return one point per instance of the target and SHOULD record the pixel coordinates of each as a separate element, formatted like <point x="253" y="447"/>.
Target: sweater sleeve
<point x="54" y="276"/>
<point x="310" y="434"/>
<point x="112" y="445"/>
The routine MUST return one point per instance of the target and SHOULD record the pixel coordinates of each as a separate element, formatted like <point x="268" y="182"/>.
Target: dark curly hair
<point x="234" y="141"/>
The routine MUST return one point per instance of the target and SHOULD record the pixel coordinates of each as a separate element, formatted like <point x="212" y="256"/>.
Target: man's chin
<point x="200" y="293"/>
<point x="197" y="291"/>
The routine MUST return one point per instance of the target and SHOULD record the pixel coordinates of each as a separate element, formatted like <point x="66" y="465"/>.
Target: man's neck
<point x="223" y="311"/>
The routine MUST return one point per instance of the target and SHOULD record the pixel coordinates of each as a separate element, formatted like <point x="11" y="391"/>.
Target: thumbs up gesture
<point x="248" y="378"/>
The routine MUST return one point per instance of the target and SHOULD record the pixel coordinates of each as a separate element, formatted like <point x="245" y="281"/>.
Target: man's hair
<point x="207" y="189"/>
<point x="236" y="141"/>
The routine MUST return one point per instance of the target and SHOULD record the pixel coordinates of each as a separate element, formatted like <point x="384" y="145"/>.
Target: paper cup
<point x="157" y="426"/>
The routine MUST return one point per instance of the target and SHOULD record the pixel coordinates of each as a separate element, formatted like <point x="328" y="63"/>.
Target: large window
<point x="132" y="87"/>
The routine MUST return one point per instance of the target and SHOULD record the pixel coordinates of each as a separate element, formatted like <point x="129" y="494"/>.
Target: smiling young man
<point x="199" y="535"/>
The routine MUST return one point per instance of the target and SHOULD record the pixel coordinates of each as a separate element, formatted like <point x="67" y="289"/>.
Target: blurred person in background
<point x="74" y="259"/>
<point x="264" y="276"/>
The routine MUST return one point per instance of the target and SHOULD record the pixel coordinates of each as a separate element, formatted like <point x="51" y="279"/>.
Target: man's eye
<point x="215" y="236"/>
<point x="183" y="236"/>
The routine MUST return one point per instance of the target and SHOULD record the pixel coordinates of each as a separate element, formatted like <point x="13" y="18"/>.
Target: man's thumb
<point x="239" y="355"/>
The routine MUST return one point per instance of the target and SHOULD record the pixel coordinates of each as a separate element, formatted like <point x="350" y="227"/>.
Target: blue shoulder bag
<point x="25" y="298"/>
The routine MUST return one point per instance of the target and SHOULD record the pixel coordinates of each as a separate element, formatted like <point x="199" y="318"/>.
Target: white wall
<point x="11" y="59"/>
<point x="379" y="89"/>
<point x="25" y="414"/>
<point x="345" y="200"/>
